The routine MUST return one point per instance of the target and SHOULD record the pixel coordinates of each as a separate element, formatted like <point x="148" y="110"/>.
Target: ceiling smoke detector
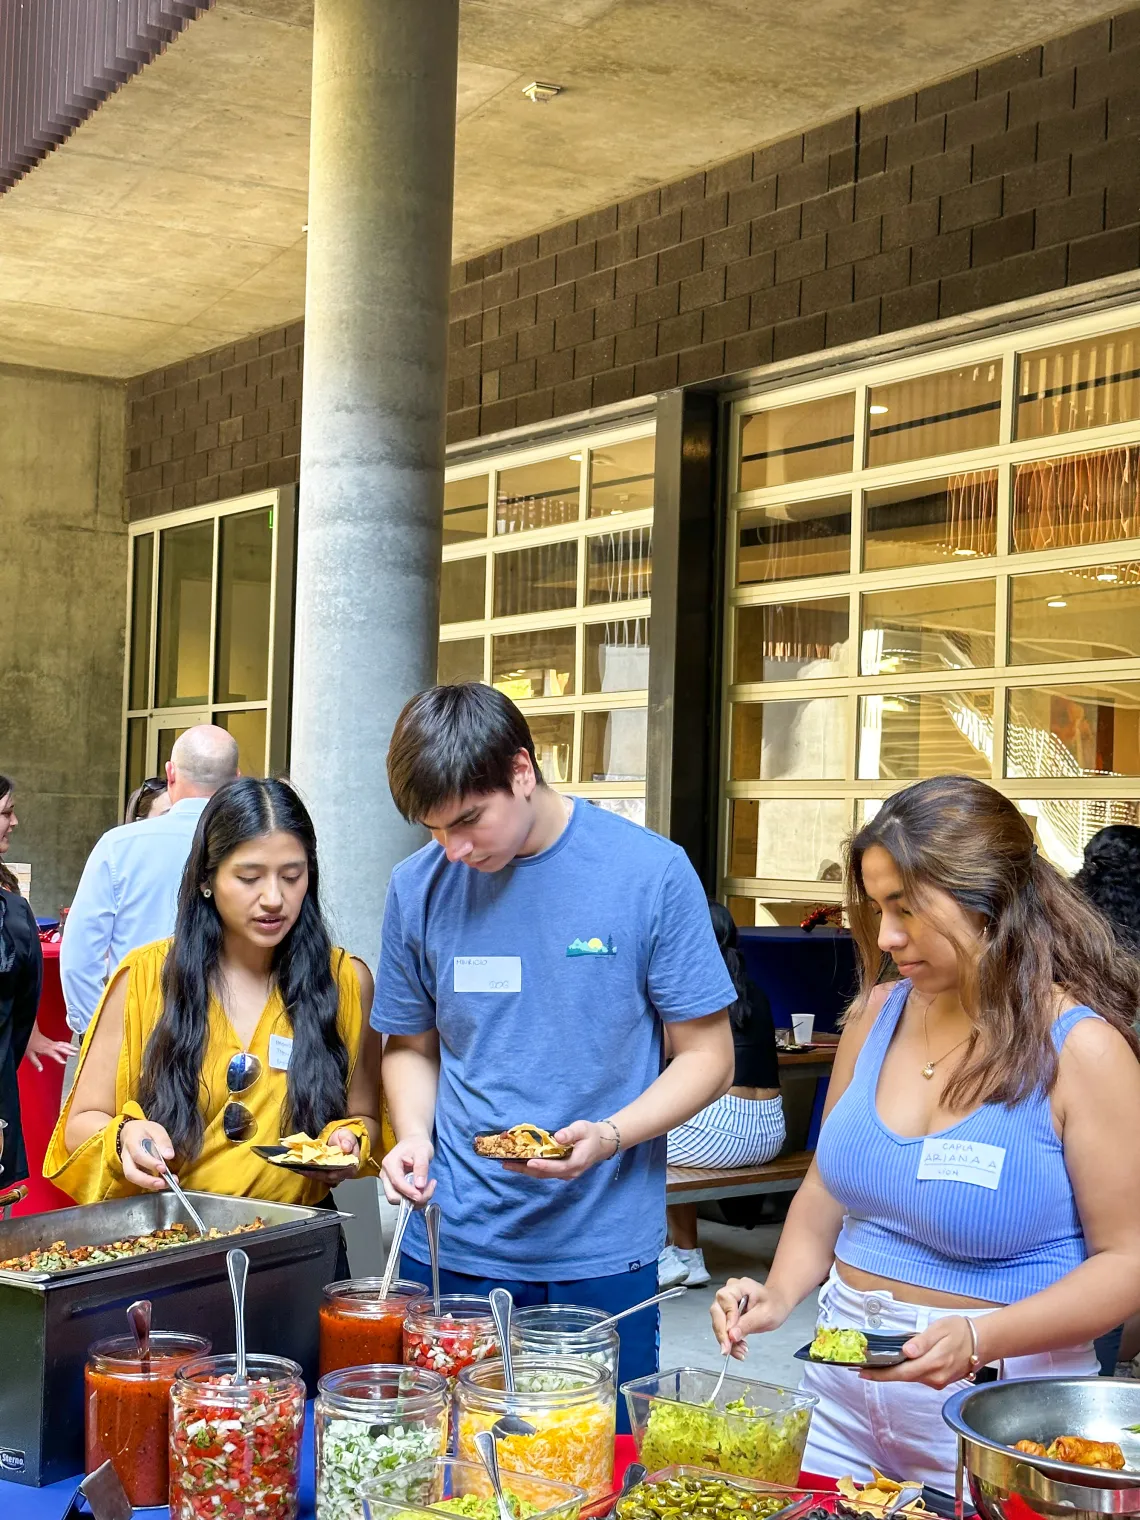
<point x="540" y="93"/>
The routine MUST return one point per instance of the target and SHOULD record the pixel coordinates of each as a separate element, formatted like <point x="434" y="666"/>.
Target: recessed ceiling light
<point x="576" y="458"/>
<point x="878" y="411"/>
<point x="540" y="93"/>
<point x="1056" y="602"/>
<point x="1108" y="575"/>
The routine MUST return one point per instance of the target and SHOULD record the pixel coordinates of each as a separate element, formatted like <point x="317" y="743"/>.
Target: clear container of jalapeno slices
<point x="236" y="1443"/>
<point x="449" y="1486"/>
<point x="701" y="1493"/>
<point x="571" y="1404"/>
<point x="372" y="1422"/>
<point x="463" y="1332"/>
<point x="566" y="1330"/>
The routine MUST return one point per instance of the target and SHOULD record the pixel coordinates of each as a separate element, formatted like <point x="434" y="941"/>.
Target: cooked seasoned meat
<point x="58" y="1257"/>
<point x="522" y="1142"/>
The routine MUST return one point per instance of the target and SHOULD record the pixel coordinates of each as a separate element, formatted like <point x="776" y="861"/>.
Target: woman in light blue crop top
<point x="977" y="1181"/>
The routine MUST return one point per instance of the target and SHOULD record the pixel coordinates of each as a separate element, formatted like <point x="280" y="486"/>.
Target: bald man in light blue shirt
<point x="128" y="893"/>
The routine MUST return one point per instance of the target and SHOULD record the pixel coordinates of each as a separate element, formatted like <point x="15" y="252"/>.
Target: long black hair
<point x="171" y="1083"/>
<point x="8" y="881"/>
<point x="1110" y="879"/>
<point x="724" y="927"/>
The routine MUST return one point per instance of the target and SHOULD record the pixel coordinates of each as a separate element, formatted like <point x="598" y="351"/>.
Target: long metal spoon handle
<point x="432" y="1220"/>
<point x="741" y="1309"/>
<point x="489" y="1456"/>
<point x="139" y="1317"/>
<point x="393" y="1261"/>
<point x="173" y="1184"/>
<point x="237" y="1263"/>
<point x="502" y="1307"/>
<point x="658" y="1298"/>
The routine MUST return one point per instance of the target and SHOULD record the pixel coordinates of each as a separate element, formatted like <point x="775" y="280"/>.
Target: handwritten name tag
<point x="948" y="1160"/>
<point x="488" y="973"/>
<point x="280" y="1052"/>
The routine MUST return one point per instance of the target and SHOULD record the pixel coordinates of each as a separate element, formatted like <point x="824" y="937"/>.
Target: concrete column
<point x="381" y="172"/>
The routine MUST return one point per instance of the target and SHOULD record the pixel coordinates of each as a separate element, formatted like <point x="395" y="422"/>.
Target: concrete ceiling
<point x="171" y="222"/>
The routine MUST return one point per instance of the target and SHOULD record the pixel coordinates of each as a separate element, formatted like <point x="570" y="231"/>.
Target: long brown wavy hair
<point x="964" y="838"/>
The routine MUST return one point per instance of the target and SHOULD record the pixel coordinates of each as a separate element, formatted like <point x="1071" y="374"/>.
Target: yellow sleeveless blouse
<point x="93" y="1171"/>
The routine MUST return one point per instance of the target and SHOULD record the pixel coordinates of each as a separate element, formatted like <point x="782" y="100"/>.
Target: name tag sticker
<point x="488" y="973"/>
<point x="280" y="1052"/>
<point x="948" y="1160"/>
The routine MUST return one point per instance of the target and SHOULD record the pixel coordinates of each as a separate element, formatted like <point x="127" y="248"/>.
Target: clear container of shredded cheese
<point x="571" y="1403"/>
<point x="566" y="1330"/>
<point x="372" y="1422"/>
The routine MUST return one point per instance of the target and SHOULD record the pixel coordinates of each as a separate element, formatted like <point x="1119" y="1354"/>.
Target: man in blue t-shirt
<point x="530" y="956"/>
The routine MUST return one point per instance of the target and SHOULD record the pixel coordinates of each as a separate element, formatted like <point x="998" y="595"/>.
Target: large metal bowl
<point x="1009" y="1485"/>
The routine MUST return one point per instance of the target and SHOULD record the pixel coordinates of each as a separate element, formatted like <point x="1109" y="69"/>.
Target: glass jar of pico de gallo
<point x="235" y="1448"/>
<point x="463" y="1332"/>
<point x="359" y="1328"/>
<point x="127" y="1409"/>
<point x="371" y="1423"/>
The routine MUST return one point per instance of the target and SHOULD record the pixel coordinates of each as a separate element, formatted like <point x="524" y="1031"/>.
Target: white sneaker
<point x="696" y="1273"/>
<point x="671" y="1270"/>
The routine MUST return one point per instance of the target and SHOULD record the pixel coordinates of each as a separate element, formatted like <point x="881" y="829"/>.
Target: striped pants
<point x="730" y="1132"/>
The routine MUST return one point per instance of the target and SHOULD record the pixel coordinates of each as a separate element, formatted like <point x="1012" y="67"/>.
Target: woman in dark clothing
<point x="744" y="1128"/>
<point x="21" y="973"/>
<point x="1110" y="879"/>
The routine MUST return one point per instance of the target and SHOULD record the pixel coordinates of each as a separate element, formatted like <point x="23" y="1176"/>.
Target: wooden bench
<point x="700" y="1184"/>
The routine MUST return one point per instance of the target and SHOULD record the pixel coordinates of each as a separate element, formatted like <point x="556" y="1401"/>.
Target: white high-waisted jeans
<point x="897" y="1427"/>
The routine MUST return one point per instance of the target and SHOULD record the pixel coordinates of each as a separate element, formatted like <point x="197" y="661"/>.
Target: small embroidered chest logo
<point x="592" y="946"/>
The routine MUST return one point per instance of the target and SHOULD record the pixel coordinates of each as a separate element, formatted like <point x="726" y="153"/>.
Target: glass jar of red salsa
<point x="461" y="1333"/>
<point x="361" y="1329"/>
<point x="235" y="1448"/>
<point x="127" y="1409"/>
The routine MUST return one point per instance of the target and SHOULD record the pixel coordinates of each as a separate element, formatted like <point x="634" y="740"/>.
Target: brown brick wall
<point x="1019" y="177"/>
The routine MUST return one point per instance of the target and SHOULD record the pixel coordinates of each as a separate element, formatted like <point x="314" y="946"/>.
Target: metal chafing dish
<point x="1008" y="1485"/>
<point x="48" y="1320"/>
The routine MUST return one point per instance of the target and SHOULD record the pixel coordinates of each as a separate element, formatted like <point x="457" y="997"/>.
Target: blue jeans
<point x="640" y="1334"/>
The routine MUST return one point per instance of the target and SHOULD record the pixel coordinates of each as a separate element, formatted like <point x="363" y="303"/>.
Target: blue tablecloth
<point x="801" y="972"/>
<point x="17" y="1503"/>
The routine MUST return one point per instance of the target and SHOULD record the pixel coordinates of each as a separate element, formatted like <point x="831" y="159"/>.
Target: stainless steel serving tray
<point x="96" y="1224"/>
<point x="49" y="1319"/>
<point x="1004" y="1483"/>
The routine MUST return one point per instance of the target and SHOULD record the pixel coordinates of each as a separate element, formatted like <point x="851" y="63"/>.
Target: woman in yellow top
<point x="246" y="1026"/>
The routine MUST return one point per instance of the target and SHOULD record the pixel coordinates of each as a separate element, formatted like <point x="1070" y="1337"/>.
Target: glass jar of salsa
<point x="235" y="1448"/>
<point x="127" y="1409"/>
<point x="361" y="1329"/>
<point x="463" y="1332"/>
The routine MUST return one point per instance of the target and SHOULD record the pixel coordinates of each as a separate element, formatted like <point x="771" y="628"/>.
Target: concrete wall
<point x="1015" y="178"/>
<point x="63" y="568"/>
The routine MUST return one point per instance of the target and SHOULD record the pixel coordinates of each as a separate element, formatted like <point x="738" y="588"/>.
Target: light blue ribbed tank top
<point x="1001" y="1244"/>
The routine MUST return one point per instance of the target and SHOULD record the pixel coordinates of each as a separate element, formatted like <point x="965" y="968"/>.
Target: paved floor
<point x="686" y="1334"/>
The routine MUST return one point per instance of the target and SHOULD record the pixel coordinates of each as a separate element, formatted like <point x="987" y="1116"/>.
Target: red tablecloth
<point x="40" y="1093"/>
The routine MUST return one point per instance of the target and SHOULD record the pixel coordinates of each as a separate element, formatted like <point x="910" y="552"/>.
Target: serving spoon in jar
<point x="432" y="1216"/>
<point x="393" y="1261"/>
<point x="237" y="1264"/>
<point x="139" y="1317"/>
<point x="489" y="1456"/>
<point x="646" y="1303"/>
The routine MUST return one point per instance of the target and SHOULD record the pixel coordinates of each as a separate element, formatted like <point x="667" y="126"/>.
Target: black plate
<point x="882" y="1351"/>
<point x="274" y="1153"/>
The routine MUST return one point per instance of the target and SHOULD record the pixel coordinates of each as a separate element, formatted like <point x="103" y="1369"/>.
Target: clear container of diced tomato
<point x="462" y="1332"/>
<point x="235" y="1448"/>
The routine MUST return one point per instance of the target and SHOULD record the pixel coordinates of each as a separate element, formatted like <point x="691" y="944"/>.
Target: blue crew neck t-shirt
<point x="590" y="944"/>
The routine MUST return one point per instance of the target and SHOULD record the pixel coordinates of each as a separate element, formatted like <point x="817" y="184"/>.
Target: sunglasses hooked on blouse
<point x="238" y="1122"/>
